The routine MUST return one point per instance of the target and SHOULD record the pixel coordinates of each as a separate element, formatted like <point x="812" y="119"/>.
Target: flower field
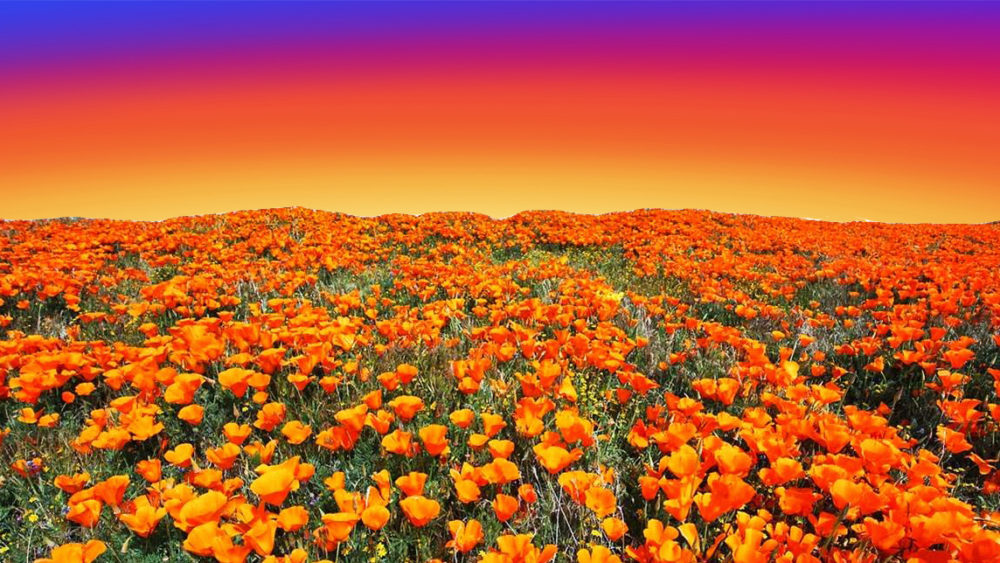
<point x="292" y="385"/>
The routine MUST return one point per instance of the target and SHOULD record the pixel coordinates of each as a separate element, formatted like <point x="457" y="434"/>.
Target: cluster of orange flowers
<point x="290" y="385"/>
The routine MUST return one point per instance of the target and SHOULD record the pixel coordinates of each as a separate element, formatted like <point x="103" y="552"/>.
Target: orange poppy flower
<point x="399" y="442"/>
<point x="574" y="428"/>
<point x="144" y="427"/>
<point x="412" y="484"/>
<point x="529" y="413"/>
<point x="181" y="391"/>
<point x="292" y="518"/>
<point x="260" y="536"/>
<point x="112" y="439"/>
<point x="111" y="490"/>
<point x="501" y="448"/>
<point x="526" y="492"/>
<point x="885" y="534"/>
<point x="373" y="400"/>
<point x="406" y="372"/>
<point x="336" y="482"/>
<point x="983" y="465"/>
<point x="296" y="432"/>
<point x="207" y="507"/>
<point x="476" y="441"/>
<point x="732" y="460"/>
<point x="384" y="482"/>
<point x="555" y="458"/>
<point x="406" y="406"/>
<point x="275" y="484"/>
<point x="519" y="548"/>
<point x="236" y="433"/>
<point x="144" y="519"/>
<point x="464" y="535"/>
<point x="598" y="554"/>
<point x="492" y="424"/>
<point x="223" y="457"/>
<point x="726" y="492"/>
<point x="462" y="418"/>
<point x="500" y="472"/>
<point x="782" y="470"/>
<point x="149" y="469"/>
<point x="576" y="483"/>
<point x="192" y="414"/>
<point x="797" y="501"/>
<point x="504" y="506"/>
<point x="613" y="528"/>
<point x="72" y="484"/>
<point x="680" y="495"/>
<point x="845" y="491"/>
<point x="270" y="416"/>
<point x="180" y="455"/>
<point x="349" y="501"/>
<point x="389" y="380"/>
<point x="262" y="451"/>
<point x="434" y="440"/>
<point x="353" y="418"/>
<point x="419" y="510"/>
<point x="85" y="512"/>
<point x="601" y="500"/>
<point x="329" y="383"/>
<point x="953" y="441"/>
<point x="205" y="478"/>
<point x="202" y="538"/>
<point x="467" y="490"/>
<point x="684" y="461"/>
<point x="336" y="528"/>
<point x="238" y="380"/>
<point x="375" y="516"/>
<point x="28" y="415"/>
<point x="48" y="420"/>
<point x="75" y="552"/>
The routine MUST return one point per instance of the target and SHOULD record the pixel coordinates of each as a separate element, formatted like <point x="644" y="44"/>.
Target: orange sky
<point x="836" y="142"/>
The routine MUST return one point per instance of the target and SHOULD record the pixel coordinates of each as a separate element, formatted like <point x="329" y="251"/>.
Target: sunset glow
<point x="836" y="111"/>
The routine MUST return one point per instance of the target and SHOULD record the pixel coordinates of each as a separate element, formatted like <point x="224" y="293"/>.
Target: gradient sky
<point x="842" y="111"/>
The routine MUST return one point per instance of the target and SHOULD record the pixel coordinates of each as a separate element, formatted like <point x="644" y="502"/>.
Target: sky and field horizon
<point x="493" y="217"/>
<point x="834" y="111"/>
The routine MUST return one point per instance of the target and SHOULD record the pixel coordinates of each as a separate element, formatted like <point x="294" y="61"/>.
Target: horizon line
<point x="491" y="217"/>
